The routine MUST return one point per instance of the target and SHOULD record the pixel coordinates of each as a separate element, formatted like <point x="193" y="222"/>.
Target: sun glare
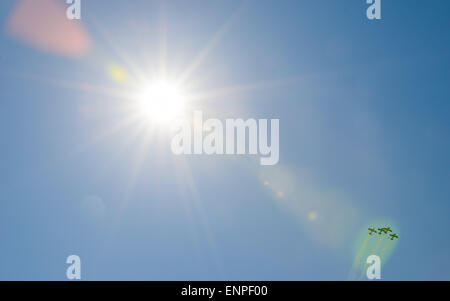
<point x="161" y="102"/>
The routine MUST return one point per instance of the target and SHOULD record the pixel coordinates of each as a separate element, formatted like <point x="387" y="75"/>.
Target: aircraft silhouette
<point x="384" y="230"/>
<point x="393" y="236"/>
<point x="372" y="230"/>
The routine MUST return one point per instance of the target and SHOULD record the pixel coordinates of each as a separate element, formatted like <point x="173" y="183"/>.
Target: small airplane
<point x="384" y="230"/>
<point x="393" y="236"/>
<point x="372" y="230"/>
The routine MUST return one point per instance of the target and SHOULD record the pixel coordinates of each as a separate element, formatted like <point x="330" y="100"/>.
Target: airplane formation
<point x="383" y="231"/>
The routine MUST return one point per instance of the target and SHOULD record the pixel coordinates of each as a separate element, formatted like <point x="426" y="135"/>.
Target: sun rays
<point x="145" y="99"/>
<point x="161" y="102"/>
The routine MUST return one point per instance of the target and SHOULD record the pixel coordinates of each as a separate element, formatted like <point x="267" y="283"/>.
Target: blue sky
<point x="364" y="140"/>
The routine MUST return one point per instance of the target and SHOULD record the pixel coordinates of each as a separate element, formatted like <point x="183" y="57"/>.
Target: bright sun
<point x="161" y="102"/>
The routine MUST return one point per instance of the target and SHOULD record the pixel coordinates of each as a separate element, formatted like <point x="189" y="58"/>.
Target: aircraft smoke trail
<point x="385" y="248"/>
<point x="358" y="256"/>
<point x="372" y="253"/>
<point x="378" y="244"/>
